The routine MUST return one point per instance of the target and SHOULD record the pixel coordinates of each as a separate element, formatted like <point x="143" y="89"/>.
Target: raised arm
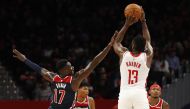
<point x="84" y="73"/>
<point x="44" y="72"/>
<point x="118" y="47"/>
<point x="146" y="35"/>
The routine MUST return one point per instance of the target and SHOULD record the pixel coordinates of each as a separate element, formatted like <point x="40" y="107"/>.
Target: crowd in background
<point x="48" y="30"/>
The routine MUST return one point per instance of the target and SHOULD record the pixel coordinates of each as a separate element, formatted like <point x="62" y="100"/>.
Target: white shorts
<point x="133" y="99"/>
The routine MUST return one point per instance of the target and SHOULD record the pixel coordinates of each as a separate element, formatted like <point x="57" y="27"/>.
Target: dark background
<point x="47" y="30"/>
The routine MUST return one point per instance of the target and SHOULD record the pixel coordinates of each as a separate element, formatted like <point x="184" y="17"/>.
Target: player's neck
<point x="62" y="75"/>
<point x="135" y="52"/>
<point x="153" y="100"/>
<point x="81" y="99"/>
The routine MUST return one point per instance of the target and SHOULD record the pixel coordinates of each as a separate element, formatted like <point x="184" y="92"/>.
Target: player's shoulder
<point x="144" y="53"/>
<point x="66" y="79"/>
<point x="53" y="74"/>
<point x="126" y="53"/>
<point x="91" y="99"/>
<point x="79" y="72"/>
<point x="165" y="104"/>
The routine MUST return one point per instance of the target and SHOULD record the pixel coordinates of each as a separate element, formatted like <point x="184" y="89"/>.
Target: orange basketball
<point x="133" y="10"/>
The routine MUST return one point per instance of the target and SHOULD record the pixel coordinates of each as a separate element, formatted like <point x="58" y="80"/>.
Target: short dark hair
<point x="61" y="63"/>
<point x="84" y="84"/>
<point x="139" y="43"/>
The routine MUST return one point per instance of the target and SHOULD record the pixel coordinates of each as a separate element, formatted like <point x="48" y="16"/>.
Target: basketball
<point x="133" y="10"/>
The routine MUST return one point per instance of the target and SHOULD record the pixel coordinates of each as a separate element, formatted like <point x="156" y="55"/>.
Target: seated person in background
<point x="155" y="101"/>
<point x="83" y="101"/>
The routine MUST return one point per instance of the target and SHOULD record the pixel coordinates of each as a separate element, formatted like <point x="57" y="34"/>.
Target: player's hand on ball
<point x="142" y="19"/>
<point x="113" y="38"/>
<point x="18" y="55"/>
<point x="130" y="20"/>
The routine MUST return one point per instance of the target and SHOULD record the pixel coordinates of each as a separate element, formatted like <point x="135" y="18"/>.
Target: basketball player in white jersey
<point x="134" y="66"/>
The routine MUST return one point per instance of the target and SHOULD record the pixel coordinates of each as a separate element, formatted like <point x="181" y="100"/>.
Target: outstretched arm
<point x="84" y="73"/>
<point x="146" y="36"/>
<point x="44" y="72"/>
<point x="118" y="47"/>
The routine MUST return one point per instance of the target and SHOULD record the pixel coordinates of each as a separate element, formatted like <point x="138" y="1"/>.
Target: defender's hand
<point x="18" y="55"/>
<point x="113" y="38"/>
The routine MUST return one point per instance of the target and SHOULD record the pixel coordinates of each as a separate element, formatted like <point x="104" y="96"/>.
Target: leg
<point x="125" y="101"/>
<point x="124" y="104"/>
<point x="141" y="101"/>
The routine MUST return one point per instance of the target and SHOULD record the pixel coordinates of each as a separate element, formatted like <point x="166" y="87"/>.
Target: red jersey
<point x="158" y="105"/>
<point x="82" y="105"/>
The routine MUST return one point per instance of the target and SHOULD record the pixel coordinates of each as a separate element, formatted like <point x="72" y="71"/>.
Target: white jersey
<point x="134" y="71"/>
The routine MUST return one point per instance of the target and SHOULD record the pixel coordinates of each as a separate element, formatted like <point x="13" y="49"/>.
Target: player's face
<point x="67" y="70"/>
<point x="83" y="91"/>
<point x="155" y="92"/>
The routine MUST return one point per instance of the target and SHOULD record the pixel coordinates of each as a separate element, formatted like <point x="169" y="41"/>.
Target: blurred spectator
<point x="174" y="63"/>
<point x="29" y="82"/>
<point x="43" y="91"/>
<point x="161" y="69"/>
<point x="102" y="82"/>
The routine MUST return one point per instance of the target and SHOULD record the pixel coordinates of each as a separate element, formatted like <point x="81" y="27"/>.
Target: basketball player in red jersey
<point x="83" y="101"/>
<point x="63" y="83"/>
<point x="154" y="99"/>
<point x="134" y="66"/>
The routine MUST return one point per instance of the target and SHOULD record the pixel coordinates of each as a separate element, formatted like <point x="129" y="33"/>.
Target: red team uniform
<point x="158" y="105"/>
<point x="82" y="105"/>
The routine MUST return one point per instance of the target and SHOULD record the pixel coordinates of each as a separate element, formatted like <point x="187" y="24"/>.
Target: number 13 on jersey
<point x="133" y="76"/>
